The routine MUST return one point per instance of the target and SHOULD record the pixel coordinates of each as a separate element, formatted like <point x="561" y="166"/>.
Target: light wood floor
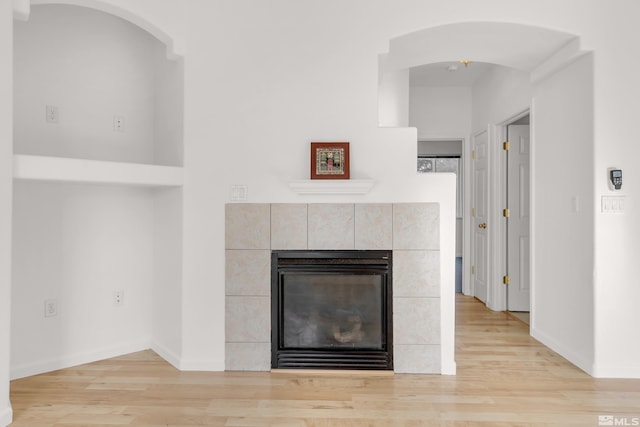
<point x="505" y="378"/>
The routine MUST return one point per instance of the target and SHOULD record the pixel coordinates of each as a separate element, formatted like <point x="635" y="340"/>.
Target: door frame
<point x="500" y="261"/>
<point x="497" y="232"/>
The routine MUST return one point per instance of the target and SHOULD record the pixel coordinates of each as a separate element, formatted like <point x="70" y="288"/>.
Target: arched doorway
<point x="541" y="54"/>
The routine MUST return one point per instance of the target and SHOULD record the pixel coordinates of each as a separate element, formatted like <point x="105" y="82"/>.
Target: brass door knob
<point x="483" y="225"/>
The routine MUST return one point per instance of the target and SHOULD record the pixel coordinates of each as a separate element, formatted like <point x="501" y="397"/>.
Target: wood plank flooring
<point x="505" y="378"/>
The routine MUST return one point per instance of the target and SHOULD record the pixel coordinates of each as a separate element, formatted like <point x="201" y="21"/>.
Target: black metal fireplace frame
<point x="331" y="262"/>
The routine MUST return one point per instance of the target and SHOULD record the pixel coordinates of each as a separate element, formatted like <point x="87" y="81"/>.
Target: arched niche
<point x="536" y="50"/>
<point x="103" y="64"/>
<point x="22" y="10"/>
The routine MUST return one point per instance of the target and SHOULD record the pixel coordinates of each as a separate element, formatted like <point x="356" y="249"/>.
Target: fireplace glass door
<point x="331" y="309"/>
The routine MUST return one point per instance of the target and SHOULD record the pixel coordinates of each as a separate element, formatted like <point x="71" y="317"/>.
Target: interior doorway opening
<point x="548" y="63"/>
<point x="445" y="156"/>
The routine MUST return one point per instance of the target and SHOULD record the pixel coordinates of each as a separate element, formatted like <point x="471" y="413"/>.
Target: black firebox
<point x="331" y="310"/>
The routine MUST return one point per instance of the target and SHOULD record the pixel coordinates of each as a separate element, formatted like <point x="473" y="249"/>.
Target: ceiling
<point x="439" y="75"/>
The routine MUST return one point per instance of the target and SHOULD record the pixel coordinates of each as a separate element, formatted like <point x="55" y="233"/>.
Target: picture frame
<point x="330" y="160"/>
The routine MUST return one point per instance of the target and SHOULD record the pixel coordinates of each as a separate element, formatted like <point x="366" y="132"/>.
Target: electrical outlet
<point x="118" y="123"/>
<point x="50" y="308"/>
<point x="118" y="298"/>
<point x="51" y="114"/>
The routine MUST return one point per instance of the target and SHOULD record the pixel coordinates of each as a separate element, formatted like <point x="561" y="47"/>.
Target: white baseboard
<point x="166" y="354"/>
<point x="187" y="364"/>
<point x="6" y="416"/>
<point x="577" y="359"/>
<point x="39" y="367"/>
<point x="448" y="368"/>
<point x="202" y="365"/>
<point x="617" y="371"/>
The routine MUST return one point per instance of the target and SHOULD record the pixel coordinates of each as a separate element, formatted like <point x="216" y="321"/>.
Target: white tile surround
<point x="411" y="230"/>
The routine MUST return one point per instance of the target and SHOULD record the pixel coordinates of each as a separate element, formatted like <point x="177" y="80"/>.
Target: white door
<point x="518" y="291"/>
<point x="480" y="257"/>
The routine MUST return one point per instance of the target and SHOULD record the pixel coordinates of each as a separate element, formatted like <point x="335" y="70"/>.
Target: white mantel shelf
<point x="62" y="169"/>
<point x="332" y="186"/>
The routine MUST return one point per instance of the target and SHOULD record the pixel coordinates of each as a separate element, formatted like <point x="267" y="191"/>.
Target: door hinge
<point x="473" y="154"/>
<point x="506" y="213"/>
<point x="506" y="146"/>
<point x="473" y="269"/>
<point x="473" y="212"/>
<point x="506" y="280"/>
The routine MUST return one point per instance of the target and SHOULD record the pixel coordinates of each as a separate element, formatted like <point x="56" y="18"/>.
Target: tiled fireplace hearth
<point x="411" y="230"/>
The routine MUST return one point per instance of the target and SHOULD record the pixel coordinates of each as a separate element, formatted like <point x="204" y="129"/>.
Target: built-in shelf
<point x="332" y="186"/>
<point x="44" y="168"/>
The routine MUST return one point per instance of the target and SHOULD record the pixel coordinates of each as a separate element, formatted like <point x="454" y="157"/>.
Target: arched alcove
<point x="99" y="69"/>
<point x="97" y="187"/>
<point x="22" y="10"/>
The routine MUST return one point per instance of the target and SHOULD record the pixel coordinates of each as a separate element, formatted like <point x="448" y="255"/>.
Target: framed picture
<point x="329" y="160"/>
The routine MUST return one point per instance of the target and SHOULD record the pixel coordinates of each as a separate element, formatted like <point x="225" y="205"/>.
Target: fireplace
<point x="331" y="309"/>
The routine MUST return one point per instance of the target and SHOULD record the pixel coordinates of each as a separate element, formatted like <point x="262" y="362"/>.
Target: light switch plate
<point x="239" y="193"/>
<point x="613" y="204"/>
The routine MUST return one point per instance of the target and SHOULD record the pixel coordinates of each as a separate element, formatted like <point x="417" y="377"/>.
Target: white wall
<point x="167" y="308"/>
<point x="563" y="240"/>
<point x="310" y="85"/>
<point x="299" y="94"/>
<point x="617" y="236"/>
<point x="169" y="109"/>
<point x="499" y="95"/>
<point x="440" y="112"/>
<point x="318" y="80"/>
<point x="6" y="126"/>
<point x="78" y="244"/>
<point x="93" y="66"/>
<point x="393" y="96"/>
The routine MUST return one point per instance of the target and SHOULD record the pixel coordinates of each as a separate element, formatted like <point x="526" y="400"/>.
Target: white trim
<point x="532" y="218"/>
<point x="448" y="367"/>
<point x="166" y="354"/>
<point x="6" y="416"/>
<point x="498" y="236"/>
<point x="68" y="361"/>
<point x="44" y="168"/>
<point x="573" y="357"/>
<point x="615" y="371"/>
<point x="495" y="288"/>
<point x="208" y="365"/>
<point x="332" y="186"/>
<point x="468" y="238"/>
<point x="467" y="164"/>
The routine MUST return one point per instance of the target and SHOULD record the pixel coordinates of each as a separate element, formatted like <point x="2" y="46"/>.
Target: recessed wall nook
<point x="98" y="135"/>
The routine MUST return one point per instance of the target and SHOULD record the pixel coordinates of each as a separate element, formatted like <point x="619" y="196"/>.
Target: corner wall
<point x="78" y="244"/>
<point x="563" y="213"/>
<point x="6" y="184"/>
